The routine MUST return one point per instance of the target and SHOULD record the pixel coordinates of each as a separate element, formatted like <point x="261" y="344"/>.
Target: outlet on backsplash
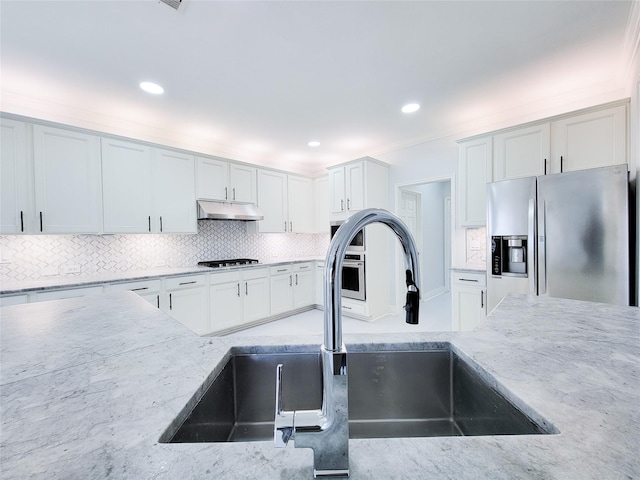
<point x="69" y="269"/>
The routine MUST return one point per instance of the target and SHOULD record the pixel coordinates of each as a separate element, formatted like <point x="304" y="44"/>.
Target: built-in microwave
<point x="357" y="244"/>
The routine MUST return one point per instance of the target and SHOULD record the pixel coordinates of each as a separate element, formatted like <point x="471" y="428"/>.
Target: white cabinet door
<point x="16" y="193"/>
<point x="303" y="283"/>
<point x="319" y="283"/>
<point x="522" y="153"/>
<point x="225" y="305"/>
<point x="281" y="283"/>
<point x="595" y="139"/>
<point x="68" y="184"/>
<point x="126" y="185"/>
<point x="474" y="171"/>
<point x="299" y="199"/>
<point x="256" y="299"/>
<point x="354" y="180"/>
<point x="242" y="181"/>
<point x="212" y="180"/>
<point x="468" y="299"/>
<point x="272" y="195"/>
<point x="337" y="195"/>
<point x="174" y="196"/>
<point x="190" y="307"/>
<point x="468" y="307"/>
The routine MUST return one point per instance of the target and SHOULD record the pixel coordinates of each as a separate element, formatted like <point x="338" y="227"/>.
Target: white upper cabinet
<point x="68" y="184"/>
<point x="300" y="204"/>
<point x="223" y="181"/>
<point x="474" y="171"/>
<point x="16" y="205"/>
<point x="347" y="188"/>
<point x="126" y="187"/>
<point x="357" y="185"/>
<point x="594" y="139"/>
<point x="272" y="199"/>
<point x="286" y="201"/>
<point x="524" y="152"/>
<point x="147" y="190"/>
<point x="173" y="190"/>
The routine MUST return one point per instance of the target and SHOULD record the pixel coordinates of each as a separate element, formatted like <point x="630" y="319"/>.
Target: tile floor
<point x="435" y="316"/>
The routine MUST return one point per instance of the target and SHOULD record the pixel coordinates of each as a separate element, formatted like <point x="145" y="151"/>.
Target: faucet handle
<point x="283" y="425"/>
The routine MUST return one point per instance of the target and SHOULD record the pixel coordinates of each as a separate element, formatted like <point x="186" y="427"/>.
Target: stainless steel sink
<point x="409" y="393"/>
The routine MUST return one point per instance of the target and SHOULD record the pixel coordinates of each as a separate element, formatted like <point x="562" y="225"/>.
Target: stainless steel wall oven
<point x="353" y="276"/>
<point x="357" y="244"/>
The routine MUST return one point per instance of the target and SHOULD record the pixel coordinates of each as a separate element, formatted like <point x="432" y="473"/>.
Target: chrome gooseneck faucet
<point x="326" y="430"/>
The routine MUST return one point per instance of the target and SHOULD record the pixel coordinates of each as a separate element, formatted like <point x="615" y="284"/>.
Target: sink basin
<point x="392" y="393"/>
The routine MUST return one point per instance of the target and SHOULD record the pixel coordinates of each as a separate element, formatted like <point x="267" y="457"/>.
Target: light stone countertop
<point x="88" y="385"/>
<point x="73" y="281"/>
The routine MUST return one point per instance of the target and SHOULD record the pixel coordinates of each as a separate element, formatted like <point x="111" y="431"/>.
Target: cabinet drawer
<point x="469" y="279"/>
<point x="280" y="269"/>
<point x="253" y="273"/>
<point x="141" y="287"/>
<point x="355" y="307"/>
<point x="302" y="267"/>
<point x="224" y="277"/>
<point x="186" y="282"/>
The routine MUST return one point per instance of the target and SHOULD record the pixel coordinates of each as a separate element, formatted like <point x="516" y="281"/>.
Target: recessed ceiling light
<point x="314" y="143"/>
<point x="151" y="87"/>
<point x="410" y="108"/>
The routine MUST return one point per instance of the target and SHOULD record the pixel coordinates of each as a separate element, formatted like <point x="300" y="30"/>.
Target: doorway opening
<point x="426" y="207"/>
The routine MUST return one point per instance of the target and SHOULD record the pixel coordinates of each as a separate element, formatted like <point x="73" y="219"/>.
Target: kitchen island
<point x="88" y="386"/>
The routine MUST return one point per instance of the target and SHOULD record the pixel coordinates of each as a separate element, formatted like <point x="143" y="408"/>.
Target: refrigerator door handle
<point x="531" y="240"/>
<point x="542" y="249"/>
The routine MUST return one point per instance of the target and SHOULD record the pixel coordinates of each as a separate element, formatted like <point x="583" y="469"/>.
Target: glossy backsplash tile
<point x="24" y="257"/>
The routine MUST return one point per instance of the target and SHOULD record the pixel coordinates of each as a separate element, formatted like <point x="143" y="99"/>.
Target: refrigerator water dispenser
<point x="509" y="255"/>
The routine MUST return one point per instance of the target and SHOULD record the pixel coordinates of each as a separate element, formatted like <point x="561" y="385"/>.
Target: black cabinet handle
<point x="468" y="280"/>
<point x="21" y="221"/>
<point x="158" y="300"/>
<point x="290" y="281"/>
<point x="246" y="288"/>
<point x="482" y="299"/>
<point x="187" y="283"/>
<point x="170" y="302"/>
<point x="296" y="279"/>
<point x="545" y="166"/>
<point x="138" y="289"/>
<point x="561" y="161"/>
<point x="226" y="191"/>
<point x="160" y="223"/>
<point x="149" y="223"/>
<point x="234" y="193"/>
<point x="41" y="221"/>
<point x="238" y="289"/>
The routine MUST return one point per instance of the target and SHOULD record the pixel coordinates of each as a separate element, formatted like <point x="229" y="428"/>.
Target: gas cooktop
<point x="227" y="263"/>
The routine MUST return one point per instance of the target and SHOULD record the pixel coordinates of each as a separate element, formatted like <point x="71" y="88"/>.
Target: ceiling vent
<point x="175" y="4"/>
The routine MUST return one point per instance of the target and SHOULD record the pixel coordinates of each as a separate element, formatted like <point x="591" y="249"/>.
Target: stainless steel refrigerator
<point x="562" y="235"/>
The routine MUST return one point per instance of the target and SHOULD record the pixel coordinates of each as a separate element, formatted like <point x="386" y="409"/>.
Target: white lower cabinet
<point x="303" y="283"/>
<point x="7" y="300"/>
<point x="238" y="297"/>
<point x="188" y="302"/>
<point x="150" y="290"/>
<point x="319" y="283"/>
<point x="468" y="299"/>
<point x="281" y="282"/>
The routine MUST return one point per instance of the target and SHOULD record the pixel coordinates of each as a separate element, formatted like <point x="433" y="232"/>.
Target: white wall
<point x="433" y="247"/>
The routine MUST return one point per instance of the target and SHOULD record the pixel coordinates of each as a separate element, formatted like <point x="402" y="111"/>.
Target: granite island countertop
<point x="88" y="385"/>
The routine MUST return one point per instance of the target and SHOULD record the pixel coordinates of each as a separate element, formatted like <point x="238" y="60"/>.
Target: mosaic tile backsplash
<point x="30" y="257"/>
<point x="476" y="246"/>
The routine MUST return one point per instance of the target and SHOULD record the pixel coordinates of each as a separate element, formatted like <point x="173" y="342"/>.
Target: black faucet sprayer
<point x="413" y="300"/>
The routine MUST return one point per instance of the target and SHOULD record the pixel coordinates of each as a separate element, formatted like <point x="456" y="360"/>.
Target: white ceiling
<point x="256" y="81"/>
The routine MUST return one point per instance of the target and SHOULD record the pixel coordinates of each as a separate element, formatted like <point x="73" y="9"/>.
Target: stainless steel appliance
<point x="353" y="276"/>
<point x="357" y="244"/>
<point x="563" y="235"/>
<point x="227" y="263"/>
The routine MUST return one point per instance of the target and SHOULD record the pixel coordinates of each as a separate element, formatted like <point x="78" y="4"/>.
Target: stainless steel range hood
<point x="208" y="210"/>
